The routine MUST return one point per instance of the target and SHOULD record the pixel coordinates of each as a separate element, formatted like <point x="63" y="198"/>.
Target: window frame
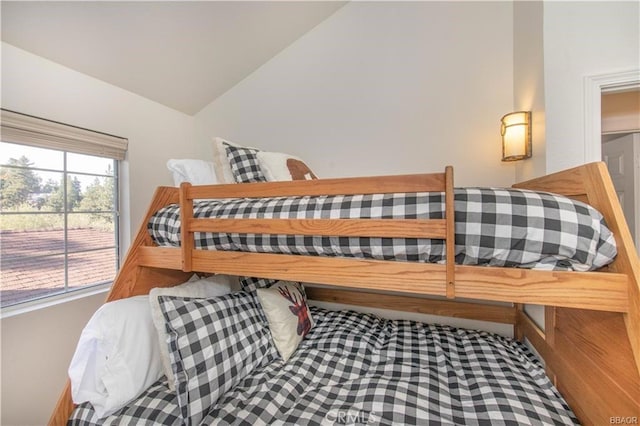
<point x="32" y="131"/>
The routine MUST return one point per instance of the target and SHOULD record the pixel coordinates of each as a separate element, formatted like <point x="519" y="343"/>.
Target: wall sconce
<point x="515" y="130"/>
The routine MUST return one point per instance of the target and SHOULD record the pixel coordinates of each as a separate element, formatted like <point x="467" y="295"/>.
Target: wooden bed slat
<point x="384" y="228"/>
<point x="593" y="395"/>
<point x="595" y="290"/>
<point x="532" y="332"/>
<point x="567" y="182"/>
<point x="447" y="308"/>
<point x="407" y="277"/>
<point x="598" y="338"/>
<point x="360" y="185"/>
<point x="161" y="257"/>
<point x="589" y="290"/>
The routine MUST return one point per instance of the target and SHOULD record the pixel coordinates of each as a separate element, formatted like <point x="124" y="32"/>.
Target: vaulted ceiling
<point x="180" y="54"/>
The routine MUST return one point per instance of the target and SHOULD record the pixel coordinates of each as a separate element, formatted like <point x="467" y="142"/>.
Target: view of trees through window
<point x="58" y="221"/>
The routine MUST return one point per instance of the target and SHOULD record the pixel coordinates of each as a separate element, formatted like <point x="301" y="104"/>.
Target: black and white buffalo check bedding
<point x="360" y="369"/>
<point x="496" y="227"/>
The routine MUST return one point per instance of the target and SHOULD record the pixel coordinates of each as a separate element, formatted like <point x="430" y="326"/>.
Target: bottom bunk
<point x="355" y="368"/>
<point x="592" y="357"/>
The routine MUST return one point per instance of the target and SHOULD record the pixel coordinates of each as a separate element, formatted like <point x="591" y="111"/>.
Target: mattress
<point x="495" y="227"/>
<point x="362" y="369"/>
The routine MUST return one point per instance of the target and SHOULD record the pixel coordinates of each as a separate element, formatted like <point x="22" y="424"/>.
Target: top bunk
<point x="606" y="289"/>
<point x="612" y="288"/>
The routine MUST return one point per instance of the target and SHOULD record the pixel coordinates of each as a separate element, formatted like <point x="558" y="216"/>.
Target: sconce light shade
<point x="515" y="130"/>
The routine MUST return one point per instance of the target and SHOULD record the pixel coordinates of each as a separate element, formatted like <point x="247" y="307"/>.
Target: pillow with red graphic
<point x="288" y="315"/>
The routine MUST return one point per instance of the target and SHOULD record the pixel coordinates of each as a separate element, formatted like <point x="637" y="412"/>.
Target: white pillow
<point x="216" y="285"/>
<point x="117" y="356"/>
<point x="277" y="167"/>
<point x="289" y="317"/>
<point x="197" y="172"/>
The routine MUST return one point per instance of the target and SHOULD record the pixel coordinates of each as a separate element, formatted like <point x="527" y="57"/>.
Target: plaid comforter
<point x="497" y="227"/>
<point x="360" y="369"/>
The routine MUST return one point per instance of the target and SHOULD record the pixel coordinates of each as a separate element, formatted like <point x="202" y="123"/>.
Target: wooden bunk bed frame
<point x="591" y="339"/>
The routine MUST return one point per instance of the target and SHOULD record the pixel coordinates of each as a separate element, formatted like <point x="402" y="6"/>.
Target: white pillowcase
<point x="275" y="166"/>
<point x="197" y="172"/>
<point x="278" y="167"/>
<point x="117" y="356"/>
<point x="214" y="286"/>
<point x="289" y="317"/>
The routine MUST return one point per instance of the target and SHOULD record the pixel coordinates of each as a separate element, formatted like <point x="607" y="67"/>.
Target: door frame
<point x="594" y="85"/>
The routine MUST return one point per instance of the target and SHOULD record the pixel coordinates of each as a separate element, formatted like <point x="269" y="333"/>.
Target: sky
<point x="51" y="159"/>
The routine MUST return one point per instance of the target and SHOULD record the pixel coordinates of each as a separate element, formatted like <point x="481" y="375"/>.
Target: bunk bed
<point x="590" y="342"/>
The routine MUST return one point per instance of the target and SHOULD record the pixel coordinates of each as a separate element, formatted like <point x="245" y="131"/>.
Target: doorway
<point x="594" y="88"/>
<point x="620" y="128"/>
<point x="622" y="156"/>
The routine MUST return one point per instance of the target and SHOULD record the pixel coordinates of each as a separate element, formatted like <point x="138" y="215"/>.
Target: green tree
<point x="17" y="182"/>
<point x="74" y="196"/>
<point x="99" y="197"/>
<point x="49" y="186"/>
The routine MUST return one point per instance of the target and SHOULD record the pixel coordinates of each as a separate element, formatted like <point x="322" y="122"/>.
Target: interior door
<point x="622" y="156"/>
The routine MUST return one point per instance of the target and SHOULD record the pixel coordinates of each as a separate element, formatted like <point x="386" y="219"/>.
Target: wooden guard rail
<point x="387" y="228"/>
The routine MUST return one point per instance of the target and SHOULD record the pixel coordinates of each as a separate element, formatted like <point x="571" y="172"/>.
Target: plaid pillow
<point x="244" y="164"/>
<point x="251" y="284"/>
<point x="213" y="345"/>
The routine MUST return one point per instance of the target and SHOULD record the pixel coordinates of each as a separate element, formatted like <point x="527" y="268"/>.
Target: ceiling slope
<point x="180" y="54"/>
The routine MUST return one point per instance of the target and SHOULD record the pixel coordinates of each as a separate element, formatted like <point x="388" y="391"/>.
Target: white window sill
<point x="47" y="301"/>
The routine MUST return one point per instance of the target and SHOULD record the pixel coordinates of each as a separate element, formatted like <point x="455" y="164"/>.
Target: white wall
<point x="37" y="346"/>
<point x="528" y="75"/>
<point x="582" y="39"/>
<point x="528" y="95"/>
<point x="36" y="86"/>
<point x="382" y="88"/>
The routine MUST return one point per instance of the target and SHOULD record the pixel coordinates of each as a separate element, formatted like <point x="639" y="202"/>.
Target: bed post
<point x="518" y="331"/>
<point x="187" y="242"/>
<point x="450" y="238"/>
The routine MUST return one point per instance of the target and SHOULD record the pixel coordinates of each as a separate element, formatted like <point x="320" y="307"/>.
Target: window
<point x="58" y="208"/>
